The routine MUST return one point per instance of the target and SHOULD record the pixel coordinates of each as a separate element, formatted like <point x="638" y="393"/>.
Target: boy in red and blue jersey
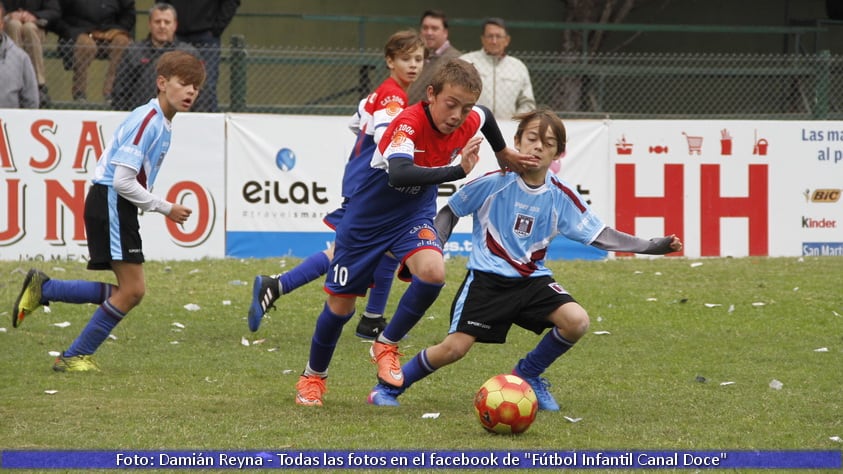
<point x="392" y="211"/>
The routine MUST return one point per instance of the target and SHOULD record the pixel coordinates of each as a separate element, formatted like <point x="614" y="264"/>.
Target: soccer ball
<point x="506" y="404"/>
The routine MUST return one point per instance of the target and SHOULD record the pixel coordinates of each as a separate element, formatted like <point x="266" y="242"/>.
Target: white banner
<point x="731" y="188"/>
<point x="285" y="173"/>
<point x="47" y="159"/>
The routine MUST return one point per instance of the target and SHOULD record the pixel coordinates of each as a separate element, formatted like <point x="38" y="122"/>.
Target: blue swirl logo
<point x="285" y="159"/>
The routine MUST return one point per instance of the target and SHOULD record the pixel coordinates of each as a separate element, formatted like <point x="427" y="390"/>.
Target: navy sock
<point x="384" y="276"/>
<point x="308" y="270"/>
<point x="75" y="291"/>
<point x="416" y="369"/>
<point x="415" y="301"/>
<point x="550" y="348"/>
<point x="105" y="318"/>
<point x="328" y="330"/>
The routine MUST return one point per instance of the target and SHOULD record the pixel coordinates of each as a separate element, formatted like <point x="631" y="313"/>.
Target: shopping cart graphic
<point x="694" y="144"/>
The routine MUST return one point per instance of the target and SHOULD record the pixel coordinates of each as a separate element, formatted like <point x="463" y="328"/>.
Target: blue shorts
<point x="333" y="218"/>
<point x="357" y="253"/>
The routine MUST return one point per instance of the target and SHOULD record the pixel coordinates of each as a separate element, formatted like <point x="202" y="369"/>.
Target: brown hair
<point x="457" y="72"/>
<point x="547" y="119"/>
<point x="185" y="66"/>
<point x="435" y="13"/>
<point x="403" y="41"/>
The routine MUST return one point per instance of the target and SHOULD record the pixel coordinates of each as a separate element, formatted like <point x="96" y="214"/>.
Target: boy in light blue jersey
<point x="516" y="216"/>
<point x="121" y="186"/>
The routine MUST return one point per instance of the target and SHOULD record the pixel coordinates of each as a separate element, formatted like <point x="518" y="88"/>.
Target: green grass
<point x="635" y="389"/>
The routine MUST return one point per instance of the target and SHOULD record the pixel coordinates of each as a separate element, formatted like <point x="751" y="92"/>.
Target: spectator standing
<point x="91" y="30"/>
<point x="26" y="23"/>
<point x="135" y="83"/>
<point x="434" y="32"/>
<point x="507" y="89"/>
<point x="201" y="23"/>
<point x="18" y="87"/>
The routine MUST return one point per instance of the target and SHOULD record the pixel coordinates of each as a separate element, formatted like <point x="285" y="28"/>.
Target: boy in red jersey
<point x="392" y="212"/>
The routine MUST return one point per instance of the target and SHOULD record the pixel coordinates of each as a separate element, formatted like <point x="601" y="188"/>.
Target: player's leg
<point x="570" y="322"/>
<point x="372" y="321"/>
<point x="428" y="269"/>
<point x="347" y="279"/>
<point x="128" y="294"/>
<point x="39" y="290"/>
<point x="266" y="289"/>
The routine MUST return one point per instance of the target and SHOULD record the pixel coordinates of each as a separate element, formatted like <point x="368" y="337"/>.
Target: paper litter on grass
<point x="652" y="299"/>
<point x="2" y="329"/>
<point x="572" y="420"/>
<point x="723" y="384"/>
<point x="776" y="385"/>
<point x="192" y="307"/>
<point x="696" y="264"/>
<point x="712" y="305"/>
<point x="62" y="324"/>
<point x="194" y="271"/>
<point x="46" y="309"/>
<point x="112" y="337"/>
<point x="226" y="302"/>
<point x="602" y="333"/>
<point x="758" y="304"/>
<point x="54" y="353"/>
<point x="836" y="439"/>
<point x="244" y="342"/>
<point x="821" y="349"/>
<point x="178" y="325"/>
<point x="51" y="392"/>
<point x="430" y="415"/>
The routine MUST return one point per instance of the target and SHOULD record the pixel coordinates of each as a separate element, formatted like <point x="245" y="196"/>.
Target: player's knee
<point x="455" y="352"/>
<point x="572" y="322"/>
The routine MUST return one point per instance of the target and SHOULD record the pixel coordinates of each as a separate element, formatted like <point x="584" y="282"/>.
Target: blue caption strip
<point x="278" y="459"/>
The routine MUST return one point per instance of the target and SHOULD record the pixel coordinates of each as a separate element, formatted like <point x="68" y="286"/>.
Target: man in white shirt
<point x="507" y="89"/>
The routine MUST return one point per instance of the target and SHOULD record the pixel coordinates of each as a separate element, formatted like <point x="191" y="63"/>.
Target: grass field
<point x="678" y="331"/>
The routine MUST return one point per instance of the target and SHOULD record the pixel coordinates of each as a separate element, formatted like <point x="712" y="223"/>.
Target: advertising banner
<point x="47" y="159"/>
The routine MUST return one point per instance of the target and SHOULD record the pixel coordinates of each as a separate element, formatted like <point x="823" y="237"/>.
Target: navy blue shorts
<point x="356" y="255"/>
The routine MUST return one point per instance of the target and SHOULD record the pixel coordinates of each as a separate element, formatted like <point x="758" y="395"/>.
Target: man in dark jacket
<point x="135" y="82"/>
<point x="94" y="29"/>
<point x="26" y="23"/>
<point x="201" y="23"/>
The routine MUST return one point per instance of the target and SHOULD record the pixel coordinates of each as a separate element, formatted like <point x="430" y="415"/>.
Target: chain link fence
<point x="323" y="81"/>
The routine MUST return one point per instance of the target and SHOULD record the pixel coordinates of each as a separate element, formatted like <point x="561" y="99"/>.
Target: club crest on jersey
<point x="523" y="225"/>
<point x="398" y="138"/>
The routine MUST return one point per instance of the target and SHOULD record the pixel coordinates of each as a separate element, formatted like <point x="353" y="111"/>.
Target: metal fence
<point x="322" y="81"/>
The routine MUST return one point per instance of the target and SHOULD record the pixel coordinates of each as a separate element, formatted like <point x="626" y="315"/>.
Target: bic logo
<point x="823" y="195"/>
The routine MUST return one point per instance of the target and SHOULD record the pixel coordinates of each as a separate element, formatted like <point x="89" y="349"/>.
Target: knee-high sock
<point x="75" y="291"/>
<point x="105" y="318"/>
<point x="308" y="270"/>
<point x="416" y="369"/>
<point x="550" y="348"/>
<point x="328" y="330"/>
<point x="384" y="276"/>
<point x="415" y="301"/>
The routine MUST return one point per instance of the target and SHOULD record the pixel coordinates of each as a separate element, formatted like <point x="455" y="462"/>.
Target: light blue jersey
<point x="514" y="223"/>
<point x="141" y="142"/>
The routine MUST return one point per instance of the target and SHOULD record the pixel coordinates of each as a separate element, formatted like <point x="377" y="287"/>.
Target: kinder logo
<point x="811" y="223"/>
<point x="823" y="195"/>
<point x="285" y="159"/>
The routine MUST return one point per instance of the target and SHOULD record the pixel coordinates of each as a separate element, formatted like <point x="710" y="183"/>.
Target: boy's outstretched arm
<point x="616" y="241"/>
<point x="444" y="222"/>
<point x="507" y="157"/>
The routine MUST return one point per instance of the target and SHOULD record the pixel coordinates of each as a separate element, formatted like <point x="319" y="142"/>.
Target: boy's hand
<point x="179" y="214"/>
<point x="515" y="160"/>
<point x="471" y="154"/>
<point x="675" y="243"/>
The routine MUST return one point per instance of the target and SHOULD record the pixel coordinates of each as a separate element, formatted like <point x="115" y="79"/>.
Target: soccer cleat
<point x="29" y="298"/>
<point x="384" y="396"/>
<point x="79" y="363"/>
<point x="264" y="293"/>
<point x="309" y="390"/>
<point x="540" y="386"/>
<point x="389" y="367"/>
<point x="369" y="328"/>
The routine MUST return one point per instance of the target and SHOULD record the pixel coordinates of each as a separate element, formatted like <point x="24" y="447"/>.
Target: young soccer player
<point x="516" y="215"/>
<point x="404" y="54"/>
<point x="392" y="211"/>
<point x="121" y="183"/>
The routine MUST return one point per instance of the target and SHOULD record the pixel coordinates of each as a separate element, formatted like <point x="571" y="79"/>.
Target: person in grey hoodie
<point x="18" y="87"/>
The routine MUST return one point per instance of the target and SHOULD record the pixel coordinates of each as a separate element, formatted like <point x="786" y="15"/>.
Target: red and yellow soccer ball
<point x="506" y="404"/>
